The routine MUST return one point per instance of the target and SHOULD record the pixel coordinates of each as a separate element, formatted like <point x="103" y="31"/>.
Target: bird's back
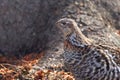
<point x="88" y="62"/>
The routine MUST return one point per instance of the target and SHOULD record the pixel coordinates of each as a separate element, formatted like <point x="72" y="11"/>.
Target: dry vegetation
<point x="14" y="69"/>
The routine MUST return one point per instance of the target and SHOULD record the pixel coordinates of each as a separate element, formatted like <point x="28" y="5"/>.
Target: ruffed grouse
<point x="85" y="60"/>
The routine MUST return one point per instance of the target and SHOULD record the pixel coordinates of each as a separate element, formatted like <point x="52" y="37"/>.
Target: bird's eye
<point x="63" y="23"/>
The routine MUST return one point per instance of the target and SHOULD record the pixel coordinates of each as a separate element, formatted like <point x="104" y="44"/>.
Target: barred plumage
<point x="85" y="60"/>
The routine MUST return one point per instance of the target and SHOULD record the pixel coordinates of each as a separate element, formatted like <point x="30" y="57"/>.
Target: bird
<point x="85" y="60"/>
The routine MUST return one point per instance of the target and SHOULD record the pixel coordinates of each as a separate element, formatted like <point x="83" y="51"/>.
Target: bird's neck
<point x="74" y="40"/>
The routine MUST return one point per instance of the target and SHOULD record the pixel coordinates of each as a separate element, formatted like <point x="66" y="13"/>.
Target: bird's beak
<point x="57" y="22"/>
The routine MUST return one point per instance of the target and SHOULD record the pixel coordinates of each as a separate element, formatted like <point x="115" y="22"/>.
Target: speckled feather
<point x="86" y="61"/>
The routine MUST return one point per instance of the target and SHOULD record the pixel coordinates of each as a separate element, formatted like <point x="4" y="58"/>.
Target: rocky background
<point x="27" y="26"/>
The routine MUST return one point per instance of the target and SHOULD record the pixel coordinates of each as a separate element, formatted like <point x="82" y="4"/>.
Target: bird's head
<point x="69" y="26"/>
<point x="66" y="25"/>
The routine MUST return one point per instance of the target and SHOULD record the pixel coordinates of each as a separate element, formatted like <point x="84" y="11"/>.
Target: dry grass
<point x="13" y="69"/>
